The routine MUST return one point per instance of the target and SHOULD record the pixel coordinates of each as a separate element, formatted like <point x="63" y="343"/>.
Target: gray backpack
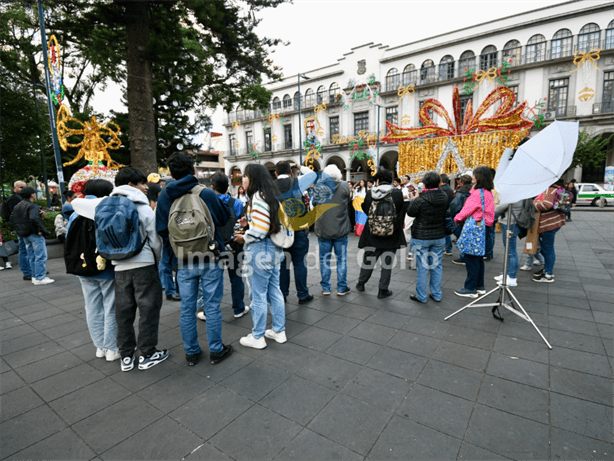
<point x="527" y="215"/>
<point x="190" y="225"/>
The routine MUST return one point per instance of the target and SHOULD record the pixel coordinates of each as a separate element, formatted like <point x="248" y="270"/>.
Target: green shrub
<point x="8" y="234"/>
<point x="7" y="231"/>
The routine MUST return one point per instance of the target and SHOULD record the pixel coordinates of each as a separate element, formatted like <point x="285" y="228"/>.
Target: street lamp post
<point x="300" y="127"/>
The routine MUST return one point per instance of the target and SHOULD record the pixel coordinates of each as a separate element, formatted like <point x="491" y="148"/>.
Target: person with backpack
<point x="456" y="205"/>
<point x="481" y="208"/>
<point x="7" y="210"/>
<point x="96" y="275"/>
<point x="126" y="235"/>
<point x="262" y="258"/>
<point x="444" y="185"/>
<point x="428" y="236"/>
<point x="571" y="188"/>
<point x="383" y="232"/>
<point x="514" y="230"/>
<point x="551" y="205"/>
<point x="299" y="248"/>
<point x="61" y="222"/>
<point x="189" y="218"/>
<point x="28" y="225"/>
<point x="219" y="184"/>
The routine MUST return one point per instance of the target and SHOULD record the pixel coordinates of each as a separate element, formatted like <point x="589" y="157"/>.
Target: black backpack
<point x="227" y="230"/>
<point x="80" y="251"/>
<point x="5" y="213"/>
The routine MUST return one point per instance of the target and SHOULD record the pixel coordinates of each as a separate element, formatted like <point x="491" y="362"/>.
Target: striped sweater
<point x="258" y="218"/>
<point x="549" y="219"/>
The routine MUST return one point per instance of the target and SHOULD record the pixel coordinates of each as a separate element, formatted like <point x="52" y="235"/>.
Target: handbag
<point x="472" y="240"/>
<point x="9" y="248"/>
<point x="532" y="242"/>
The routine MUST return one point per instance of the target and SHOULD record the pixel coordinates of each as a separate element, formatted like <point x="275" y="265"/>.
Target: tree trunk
<point x="140" y="97"/>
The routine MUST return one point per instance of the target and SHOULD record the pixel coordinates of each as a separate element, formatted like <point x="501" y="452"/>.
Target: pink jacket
<point x="473" y="207"/>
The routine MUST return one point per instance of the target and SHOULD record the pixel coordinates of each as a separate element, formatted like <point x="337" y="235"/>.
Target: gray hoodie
<point x="147" y="218"/>
<point x="501" y="210"/>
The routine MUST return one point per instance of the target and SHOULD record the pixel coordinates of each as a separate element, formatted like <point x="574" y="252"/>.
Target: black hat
<point x="27" y="192"/>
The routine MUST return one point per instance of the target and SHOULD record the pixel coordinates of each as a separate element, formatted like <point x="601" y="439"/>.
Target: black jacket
<point x="26" y="219"/>
<point x="12" y="202"/>
<point x="449" y="192"/>
<point x="459" y="199"/>
<point x="397" y="239"/>
<point x="429" y="209"/>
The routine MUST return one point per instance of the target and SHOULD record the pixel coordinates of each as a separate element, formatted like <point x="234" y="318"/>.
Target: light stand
<point x="502" y="289"/>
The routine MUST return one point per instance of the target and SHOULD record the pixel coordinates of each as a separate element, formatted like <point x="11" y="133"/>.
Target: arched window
<point x="536" y="49"/>
<point x="287" y="102"/>
<point x="446" y="68"/>
<point x="297" y="100"/>
<point x="589" y="37"/>
<point x="392" y="80"/>
<point x="511" y="52"/>
<point x="333" y="91"/>
<point x="609" y="36"/>
<point x="427" y="72"/>
<point x="561" y="45"/>
<point x="309" y="98"/>
<point x="466" y="61"/>
<point x="410" y="75"/>
<point x="488" y="58"/>
<point x="276" y="104"/>
<point x="321" y="94"/>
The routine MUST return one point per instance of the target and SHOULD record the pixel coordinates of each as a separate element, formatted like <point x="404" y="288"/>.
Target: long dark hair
<point x="260" y="180"/>
<point x="483" y="178"/>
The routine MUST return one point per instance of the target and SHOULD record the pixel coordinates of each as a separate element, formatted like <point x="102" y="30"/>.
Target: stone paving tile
<point x="255" y="380"/>
<point x="376" y="388"/>
<point x="19" y="401"/>
<point x="316" y="338"/>
<point x="309" y="445"/>
<point x="567" y="445"/>
<point x="373" y="333"/>
<point x="462" y="356"/>
<point x="582" y="417"/>
<point x="414" y="343"/>
<point x="398" y="363"/>
<point x="354" y="350"/>
<point x="62" y="445"/>
<point x="10" y="381"/>
<point x="580" y="361"/>
<point x="23" y="342"/>
<point x="581" y="385"/>
<point x="473" y="453"/>
<point x="289" y="357"/>
<point x="66" y="382"/>
<point x="337" y="323"/>
<point x="330" y="371"/>
<point x="258" y="441"/>
<point x="33" y="354"/>
<point x="470" y="337"/>
<point x="208" y="452"/>
<point x="451" y="379"/>
<point x="519" y="370"/>
<point x="48" y="366"/>
<point x="516" y="347"/>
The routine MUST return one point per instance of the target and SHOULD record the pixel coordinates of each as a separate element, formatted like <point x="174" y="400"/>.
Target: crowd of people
<point x="176" y="237"/>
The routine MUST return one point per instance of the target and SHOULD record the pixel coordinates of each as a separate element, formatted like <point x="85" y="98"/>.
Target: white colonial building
<point x="561" y="61"/>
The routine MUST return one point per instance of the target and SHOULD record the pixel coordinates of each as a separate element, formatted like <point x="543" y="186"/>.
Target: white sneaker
<point x="536" y="263"/>
<point x="245" y="311"/>
<point x="498" y="278"/>
<point x="250" y="341"/>
<point x="279" y="337"/>
<point x="200" y="315"/>
<point x="510" y="282"/>
<point x="45" y="281"/>
<point x="8" y="265"/>
<point x="525" y="268"/>
<point x="101" y="353"/>
<point x="112" y="356"/>
<point x="1" y="268"/>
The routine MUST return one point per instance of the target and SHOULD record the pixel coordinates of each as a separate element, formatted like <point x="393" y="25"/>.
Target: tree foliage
<point x="591" y="151"/>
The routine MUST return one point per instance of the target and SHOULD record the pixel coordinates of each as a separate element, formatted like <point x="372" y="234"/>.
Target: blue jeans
<point x="490" y="241"/>
<point x="429" y="257"/>
<point x="448" y="245"/>
<point x="297" y="252"/>
<point x="210" y="277"/>
<point x="475" y="272"/>
<point x="36" y="250"/>
<point x="24" y="261"/>
<point x="512" y="267"/>
<point x="237" y="287"/>
<point x="99" y="295"/>
<point x="538" y="255"/>
<point x="261" y="263"/>
<point x="546" y="242"/>
<point x="340" y="246"/>
<point x="165" y="269"/>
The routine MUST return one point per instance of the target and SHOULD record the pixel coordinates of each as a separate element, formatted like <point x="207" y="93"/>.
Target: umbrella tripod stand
<point x="513" y="305"/>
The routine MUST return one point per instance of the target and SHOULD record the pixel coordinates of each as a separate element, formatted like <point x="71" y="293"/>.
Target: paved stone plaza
<point x="359" y="378"/>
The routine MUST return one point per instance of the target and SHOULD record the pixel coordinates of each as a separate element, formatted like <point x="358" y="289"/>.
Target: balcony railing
<point x="559" y="111"/>
<point x="603" y="107"/>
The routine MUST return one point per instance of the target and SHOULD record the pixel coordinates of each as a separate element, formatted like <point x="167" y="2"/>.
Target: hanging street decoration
<point x="363" y="148"/>
<point x="253" y="150"/>
<point x="236" y="125"/>
<point x="320" y="108"/>
<point x="494" y="75"/>
<point x="368" y="91"/>
<point x="582" y="59"/>
<point x="535" y="114"/>
<point x="406" y="91"/>
<point x="586" y="94"/>
<point x="476" y="139"/>
<point x="54" y="57"/>
<point x="314" y="151"/>
<point x="405" y="120"/>
<point x="270" y="118"/>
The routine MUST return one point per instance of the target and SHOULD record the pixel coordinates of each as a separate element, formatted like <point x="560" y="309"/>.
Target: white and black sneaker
<point x="543" y="278"/>
<point x="152" y="360"/>
<point x="127" y="363"/>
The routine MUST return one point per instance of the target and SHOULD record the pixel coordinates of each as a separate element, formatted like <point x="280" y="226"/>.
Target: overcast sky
<point x="320" y="31"/>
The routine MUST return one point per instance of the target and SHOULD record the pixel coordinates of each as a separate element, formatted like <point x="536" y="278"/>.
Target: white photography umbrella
<point x="538" y="163"/>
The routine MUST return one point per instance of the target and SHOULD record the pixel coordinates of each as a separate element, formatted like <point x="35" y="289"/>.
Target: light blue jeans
<point x="429" y="257"/>
<point x="24" y="261"/>
<point x="512" y="267"/>
<point x="538" y="255"/>
<point x="210" y="277"/>
<point x="36" y="250"/>
<point x="261" y="264"/>
<point x="99" y="295"/>
<point x="340" y="246"/>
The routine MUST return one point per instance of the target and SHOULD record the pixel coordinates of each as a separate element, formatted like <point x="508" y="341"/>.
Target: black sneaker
<point x="192" y="359"/>
<point x="543" y="278"/>
<point x="27" y="277"/>
<point x="384" y="294"/>
<point x="306" y="300"/>
<point x="344" y="292"/>
<point x="360" y="286"/>
<point x="222" y="355"/>
<point x="458" y="261"/>
<point x="127" y="363"/>
<point x="152" y="360"/>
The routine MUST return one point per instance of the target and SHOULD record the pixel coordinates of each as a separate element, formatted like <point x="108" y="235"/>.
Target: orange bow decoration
<point x="505" y="118"/>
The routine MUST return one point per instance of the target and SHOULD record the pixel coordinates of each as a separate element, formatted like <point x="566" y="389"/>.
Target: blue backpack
<point x="118" y="231"/>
